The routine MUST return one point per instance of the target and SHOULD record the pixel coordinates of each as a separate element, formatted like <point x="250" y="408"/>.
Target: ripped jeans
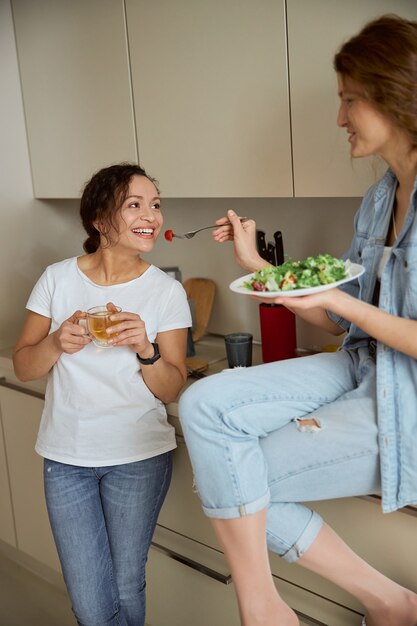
<point x="250" y="448"/>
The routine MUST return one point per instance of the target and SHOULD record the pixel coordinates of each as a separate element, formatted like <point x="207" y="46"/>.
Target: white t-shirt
<point x="385" y="254"/>
<point x="98" y="410"/>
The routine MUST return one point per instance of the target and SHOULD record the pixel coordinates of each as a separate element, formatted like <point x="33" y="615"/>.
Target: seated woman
<point x="253" y="466"/>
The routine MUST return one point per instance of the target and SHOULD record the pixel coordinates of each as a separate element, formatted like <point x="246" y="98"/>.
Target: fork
<point x="191" y="233"/>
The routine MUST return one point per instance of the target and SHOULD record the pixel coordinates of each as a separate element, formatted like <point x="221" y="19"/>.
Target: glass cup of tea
<point x="98" y="320"/>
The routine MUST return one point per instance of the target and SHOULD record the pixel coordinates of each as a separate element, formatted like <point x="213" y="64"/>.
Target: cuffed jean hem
<point x="239" y="511"/>
<point x="305" y="540"/>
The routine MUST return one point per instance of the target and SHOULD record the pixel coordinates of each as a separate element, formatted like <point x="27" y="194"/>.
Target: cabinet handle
<point x="21" y="389"/>
<point x="226" y="579"/>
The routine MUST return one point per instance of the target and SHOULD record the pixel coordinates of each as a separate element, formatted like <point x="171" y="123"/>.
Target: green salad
<point x="312" y="272"/>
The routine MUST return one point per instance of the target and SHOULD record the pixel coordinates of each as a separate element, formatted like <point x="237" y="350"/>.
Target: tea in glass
<point x="98" y="320"/>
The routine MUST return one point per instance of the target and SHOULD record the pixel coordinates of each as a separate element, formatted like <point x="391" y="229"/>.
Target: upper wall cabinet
<point x="316" y="30"/>
<point x="76" y="90"/>
<point x="216" y="98"/>
<point x="209" y="85"/>
<point x="211" y="96"/>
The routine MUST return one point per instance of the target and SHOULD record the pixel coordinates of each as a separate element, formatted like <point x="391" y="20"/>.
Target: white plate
<point x="355" y="270"/>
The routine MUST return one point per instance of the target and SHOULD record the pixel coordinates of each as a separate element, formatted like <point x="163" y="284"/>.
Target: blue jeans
<point x="249" y="449"/>
<point x="103" y="519"/>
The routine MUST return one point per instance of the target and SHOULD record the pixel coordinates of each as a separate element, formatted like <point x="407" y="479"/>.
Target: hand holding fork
<point x="169" y="234"/>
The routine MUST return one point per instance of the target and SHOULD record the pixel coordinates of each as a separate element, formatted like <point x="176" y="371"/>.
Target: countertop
<point x="211" y="348"/>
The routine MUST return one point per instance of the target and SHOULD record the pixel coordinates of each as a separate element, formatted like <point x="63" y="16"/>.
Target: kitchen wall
<point x="309" y="226"/>
<point x="32" y="233"/>
<point x="35" y="233"/>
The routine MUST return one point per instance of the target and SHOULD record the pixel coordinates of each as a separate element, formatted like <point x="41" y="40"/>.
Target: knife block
<point x="278" y="332"/>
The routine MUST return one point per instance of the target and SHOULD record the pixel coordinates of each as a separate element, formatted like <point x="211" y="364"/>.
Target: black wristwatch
<point x="152" y="359"/>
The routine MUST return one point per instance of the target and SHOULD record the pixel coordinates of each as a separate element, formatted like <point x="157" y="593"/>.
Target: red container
<point x="278" y="334"/>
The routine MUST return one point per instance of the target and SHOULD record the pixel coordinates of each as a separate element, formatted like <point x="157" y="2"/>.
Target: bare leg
<point x="386" y="602"/>
<point x="244" y="543"/>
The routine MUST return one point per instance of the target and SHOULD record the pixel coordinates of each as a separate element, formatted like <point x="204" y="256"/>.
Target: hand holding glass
<point x="98" y="320"/>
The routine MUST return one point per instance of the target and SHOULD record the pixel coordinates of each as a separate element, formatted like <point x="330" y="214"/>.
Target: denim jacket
<point x="396" y="386"/>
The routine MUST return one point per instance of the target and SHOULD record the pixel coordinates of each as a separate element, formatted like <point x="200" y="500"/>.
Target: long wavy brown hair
<point x="102" y="199"/>
<point x="382" y="59"/>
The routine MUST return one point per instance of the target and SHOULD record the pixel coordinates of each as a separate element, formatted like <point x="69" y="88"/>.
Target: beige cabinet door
<point x="76" y="90"/>
<point x="211" y="96"/>
<point x="187" y="584"/>
<point x="7" y="530"/>
<point x="21" y="415"/>
<point x="316" y="29"/>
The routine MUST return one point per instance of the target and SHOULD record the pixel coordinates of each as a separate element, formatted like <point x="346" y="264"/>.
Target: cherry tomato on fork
<point x="169" y="234"/>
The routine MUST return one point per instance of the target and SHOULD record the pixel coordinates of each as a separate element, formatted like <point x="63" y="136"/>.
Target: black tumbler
<point x="239" y="349"/>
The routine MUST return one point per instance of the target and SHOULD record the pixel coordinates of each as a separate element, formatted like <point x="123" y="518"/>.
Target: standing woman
<point x="254" y="463"/>
<point x="104" y="433"/>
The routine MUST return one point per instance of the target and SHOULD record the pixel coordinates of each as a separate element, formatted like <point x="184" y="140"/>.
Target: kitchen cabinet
<point x="321" y="157"/>
<point x="211" y="98"/>
<point x="216" y="99"/>
<point x="76" y="90"/>
<point x="21" y="412"/>
<point x="7" y="530"/>
<point x="187" y="584"/>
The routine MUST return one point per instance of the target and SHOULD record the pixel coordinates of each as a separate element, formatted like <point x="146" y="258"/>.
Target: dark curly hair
<point x="382" y="58"/>
<point x="102" y="199"/>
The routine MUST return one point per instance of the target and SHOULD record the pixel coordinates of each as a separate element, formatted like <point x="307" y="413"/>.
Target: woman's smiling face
<point x="370" y="131"/>
<point x="140" y="219"/>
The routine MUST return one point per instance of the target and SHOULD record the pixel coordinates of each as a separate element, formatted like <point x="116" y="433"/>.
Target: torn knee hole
<point x="308" y="424"/>
<point x="194" y="487"/>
